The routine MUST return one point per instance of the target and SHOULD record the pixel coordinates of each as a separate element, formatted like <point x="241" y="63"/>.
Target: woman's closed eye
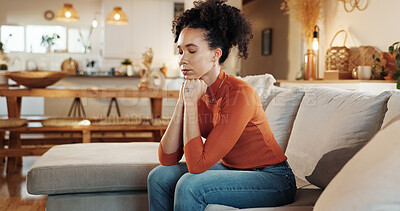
<point x="180" y="52"/>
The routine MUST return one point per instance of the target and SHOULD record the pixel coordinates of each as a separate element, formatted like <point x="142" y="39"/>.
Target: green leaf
<point x="398" y="83"/>
<point x="373" y="56"/>
<point x="391" y="49"/>
<point x="378" y="59"/>
<point x="397" y="74"/>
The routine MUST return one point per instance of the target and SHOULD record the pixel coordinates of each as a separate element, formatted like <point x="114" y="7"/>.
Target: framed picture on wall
<point x="266" y="42"/>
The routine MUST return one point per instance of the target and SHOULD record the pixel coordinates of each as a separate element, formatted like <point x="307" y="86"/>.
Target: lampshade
<point x="67" y="14"/>
<point x="117" y="17"/>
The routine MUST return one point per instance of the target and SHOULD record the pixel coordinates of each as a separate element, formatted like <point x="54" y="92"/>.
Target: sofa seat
<point x="93" y="177"/>
<point x="95" y="167"/>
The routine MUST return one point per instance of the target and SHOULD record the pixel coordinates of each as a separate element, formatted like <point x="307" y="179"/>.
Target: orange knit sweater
<point x="235" y="127"/>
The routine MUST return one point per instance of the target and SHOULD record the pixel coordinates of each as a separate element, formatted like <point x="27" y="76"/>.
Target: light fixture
<point x="67" y="14"/>
<point x="315" y="44"/>
<point x="117" y="17"/>
<point x="94" y="23"/>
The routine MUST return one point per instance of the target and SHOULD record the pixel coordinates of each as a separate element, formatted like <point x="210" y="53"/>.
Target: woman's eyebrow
<point x="188" y="45"/>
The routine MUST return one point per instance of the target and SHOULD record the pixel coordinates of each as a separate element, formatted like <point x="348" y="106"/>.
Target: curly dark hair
<point x="225" y="26"/>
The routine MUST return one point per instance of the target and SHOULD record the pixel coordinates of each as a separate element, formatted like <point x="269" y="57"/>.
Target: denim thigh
<point x="271" y="186"/>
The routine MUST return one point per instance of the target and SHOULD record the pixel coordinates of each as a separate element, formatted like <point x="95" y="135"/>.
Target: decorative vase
<point x="310" y="72"/>
<point x="129" y="70"/>
<point x="156" y="79"/>
<point x="144" y="80"/>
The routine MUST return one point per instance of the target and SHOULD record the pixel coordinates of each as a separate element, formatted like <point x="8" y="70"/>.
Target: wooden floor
<point x="13" y="193"/>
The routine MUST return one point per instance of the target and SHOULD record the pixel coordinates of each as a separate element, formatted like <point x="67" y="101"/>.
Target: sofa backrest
<point x="330" y="127"/>
<point x="393" y="107"/>
<point x="281" y="111"/>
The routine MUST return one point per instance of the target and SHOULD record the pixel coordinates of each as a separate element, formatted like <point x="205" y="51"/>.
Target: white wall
<point x="269" y="17"/>
<point x="377" y="25"/>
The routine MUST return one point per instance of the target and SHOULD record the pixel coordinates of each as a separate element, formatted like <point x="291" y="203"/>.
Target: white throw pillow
<point x="281" y="112"/>
<point x="393" y="108"/>
<point x="330" y="127"/>
<point x="370" y="180"/>
<point x="263" y="85"/>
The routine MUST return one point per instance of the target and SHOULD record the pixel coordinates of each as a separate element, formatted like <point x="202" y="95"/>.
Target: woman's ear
<point x="217" y="53"/>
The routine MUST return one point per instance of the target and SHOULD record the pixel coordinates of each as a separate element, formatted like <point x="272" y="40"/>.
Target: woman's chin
<point x="191" y="77"/>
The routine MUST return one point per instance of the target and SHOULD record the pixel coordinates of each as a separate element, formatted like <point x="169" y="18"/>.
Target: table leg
<point x="14" y="111"/>
<point x="157" y="136"/>
<point x="86" y="136"/>
<point x="2" y="159"/>
<point x="156" y="107"/>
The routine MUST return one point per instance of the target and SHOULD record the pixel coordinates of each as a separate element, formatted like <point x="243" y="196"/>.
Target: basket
<point x="35" y="79"/>
<point x="65" y="122"/>
<point x="362" y="56"/>
<point x="337" y="57"/>
<point x="12" y="122"/>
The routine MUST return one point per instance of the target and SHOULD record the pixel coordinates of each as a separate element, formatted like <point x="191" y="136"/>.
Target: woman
<point x="228" y="113"/>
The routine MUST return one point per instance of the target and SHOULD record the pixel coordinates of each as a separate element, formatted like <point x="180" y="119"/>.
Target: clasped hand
<point x="192" y="90"/>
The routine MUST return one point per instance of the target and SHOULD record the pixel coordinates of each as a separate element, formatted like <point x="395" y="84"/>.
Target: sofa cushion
<point x="370" y="180"/>
<point x="107" y="201"/>
<point x="275" y="90"/>
<point x="263" y="85"/>
<point x="393" y="108"/>
<point x="94" y="167"/>
<point x="217" y="207"/>
<point x="281" y="112"/>
<point x="330" y="127"/>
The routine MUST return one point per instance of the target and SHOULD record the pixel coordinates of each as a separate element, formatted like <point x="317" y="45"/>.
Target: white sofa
<point x="320" y="130"/>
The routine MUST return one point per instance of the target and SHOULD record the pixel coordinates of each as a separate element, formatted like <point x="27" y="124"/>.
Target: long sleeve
<point x="169" y="159"/>
<point x="237" y="108"/>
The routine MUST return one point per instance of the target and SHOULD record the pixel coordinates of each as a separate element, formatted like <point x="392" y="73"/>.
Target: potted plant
<point x="126" y="67"/>
<point x="394" y="50"/>
<point x="379" y="72"/>
<point x="48" y="41"/>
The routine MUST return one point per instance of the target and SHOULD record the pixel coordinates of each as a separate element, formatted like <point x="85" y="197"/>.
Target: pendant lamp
<point x="117" y="17"/>
<point x="67" y="14"/>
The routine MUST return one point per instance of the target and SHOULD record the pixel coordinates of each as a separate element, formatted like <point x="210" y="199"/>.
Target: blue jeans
<point x="173" y="188"/>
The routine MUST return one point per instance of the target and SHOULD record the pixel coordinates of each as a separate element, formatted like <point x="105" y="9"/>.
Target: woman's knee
<point x="165" y="174"/>
<point x="188" y="185"/>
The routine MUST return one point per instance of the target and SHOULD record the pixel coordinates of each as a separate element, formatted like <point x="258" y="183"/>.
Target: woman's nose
<point x="182" y="60"/>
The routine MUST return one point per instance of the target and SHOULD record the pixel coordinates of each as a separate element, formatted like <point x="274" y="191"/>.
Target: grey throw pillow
<point x="330" y="127"/>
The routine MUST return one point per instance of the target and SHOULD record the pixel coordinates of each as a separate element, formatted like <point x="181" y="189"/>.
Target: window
<point x="78" y="40"/>
<point x="34" y="35"/>
<point x="13" y="38"/>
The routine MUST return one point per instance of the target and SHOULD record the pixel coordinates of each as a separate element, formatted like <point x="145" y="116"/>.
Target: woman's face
<point x="196" y="59"/>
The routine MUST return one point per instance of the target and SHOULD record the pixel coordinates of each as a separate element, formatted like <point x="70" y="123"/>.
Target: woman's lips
<point x="185" y="71"/>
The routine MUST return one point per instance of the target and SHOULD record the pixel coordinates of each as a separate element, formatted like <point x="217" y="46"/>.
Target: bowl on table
<point x="35" y="79"/>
